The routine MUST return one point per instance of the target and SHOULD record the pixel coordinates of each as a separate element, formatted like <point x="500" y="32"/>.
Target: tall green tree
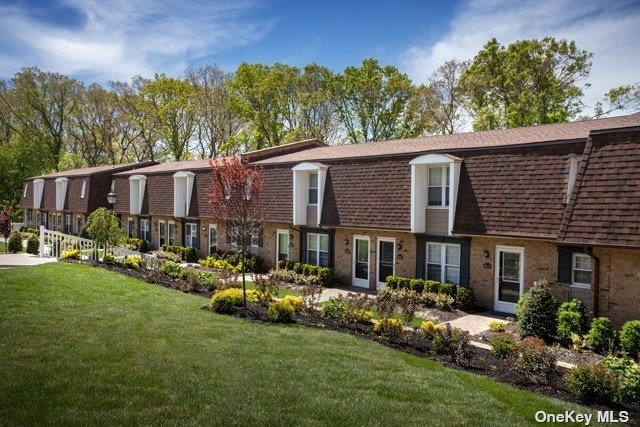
<point x="372" y="102"/>
<point x="446" y="107"/>
<point x="172" y="103"/>
<point x="526" y="83"/>
<point x="317" y="113"/>
<point x="621" y="98"/>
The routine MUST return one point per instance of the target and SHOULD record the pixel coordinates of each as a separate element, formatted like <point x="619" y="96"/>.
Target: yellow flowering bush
<point x="388" y="327"/>
<point x="296" y="302"/>
<point x="281" y="311"/>
<point x="134" y="262"/>
<point x="430" y="328"/>
<point x="70" y="254"/>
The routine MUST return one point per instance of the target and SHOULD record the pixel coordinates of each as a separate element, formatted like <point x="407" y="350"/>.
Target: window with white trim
<point x="191" y="235"/>
<point x="213" y="239"/>
<point x="313" y="188"/>
<point x="581" y="271"/>
<point x="438" y="186"/>
<point x="443" y="262"/>
<point x="145" y="233"/>
<point x="83" y="190"/>
<point x="318" y="249"/>
<point x="67" y="223"/>
<point x="26" y="187"/>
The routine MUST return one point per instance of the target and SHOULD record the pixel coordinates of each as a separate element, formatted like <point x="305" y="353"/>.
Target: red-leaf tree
<point x="237" y="201"/>
<point x="5" y="224"/>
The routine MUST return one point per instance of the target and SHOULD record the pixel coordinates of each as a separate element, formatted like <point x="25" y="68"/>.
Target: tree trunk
<point x="244" y="286"/>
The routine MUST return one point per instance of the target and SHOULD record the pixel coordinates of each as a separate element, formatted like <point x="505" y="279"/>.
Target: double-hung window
<point x="145" y="233"/>
<point x="443" y="262"/>
<point x="318" y="249"/>
<point x="581" y="271"/>
<point x="191" y="235"/>
<point x="438" y="186"/>
<point x="313" y="188"/>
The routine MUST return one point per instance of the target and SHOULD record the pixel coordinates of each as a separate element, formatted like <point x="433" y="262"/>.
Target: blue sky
<point x="96" y="40"/>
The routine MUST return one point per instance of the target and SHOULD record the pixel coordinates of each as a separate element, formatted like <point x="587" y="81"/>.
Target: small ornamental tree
<point x="237" y="201"/>
<point x="103" y="227"/>
<point x="5" y="224"/>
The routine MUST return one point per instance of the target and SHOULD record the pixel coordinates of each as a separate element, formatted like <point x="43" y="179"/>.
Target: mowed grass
<point x="82" y="345"/>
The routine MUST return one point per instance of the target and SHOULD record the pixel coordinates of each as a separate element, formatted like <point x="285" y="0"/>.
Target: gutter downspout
<point x="596" y="282"/>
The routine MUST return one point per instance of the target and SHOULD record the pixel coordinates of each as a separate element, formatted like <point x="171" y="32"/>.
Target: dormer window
<point x="182" y="189"/>
<point x="61" y="192"/>
<point x="573" y="170"/>
<point x="38" y="188"/>
<point x="137" y="184"/>
<point x="438" y="186"/>
<point x="308" y="188"/>
<point x="84" y="189"/>
<point x="24" y="193"/>
<point x="313" y="188"/>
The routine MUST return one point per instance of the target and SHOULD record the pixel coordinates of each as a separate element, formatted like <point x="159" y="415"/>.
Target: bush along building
<point x="494" y="210"/>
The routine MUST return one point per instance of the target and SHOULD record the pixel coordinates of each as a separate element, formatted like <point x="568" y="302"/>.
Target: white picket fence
<point x="54" y="244"/>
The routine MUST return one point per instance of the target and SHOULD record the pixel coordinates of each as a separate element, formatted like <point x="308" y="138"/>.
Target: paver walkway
<point x="23" y="259"/>
<point x="476" y="323"/>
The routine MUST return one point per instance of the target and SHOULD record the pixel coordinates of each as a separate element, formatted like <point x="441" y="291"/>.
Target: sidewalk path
<point x="476" y="323"/>
<point x="22" y="259"/>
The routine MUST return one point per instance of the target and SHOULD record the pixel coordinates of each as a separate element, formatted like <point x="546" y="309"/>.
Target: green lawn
<point x="82" y="345"/>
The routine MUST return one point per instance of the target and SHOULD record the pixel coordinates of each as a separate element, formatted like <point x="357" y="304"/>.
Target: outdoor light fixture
<point x="399" y="246"/>
<point x="346" y="242"/>
<point x="485" y="253"/>
<point x="111" y="198"/>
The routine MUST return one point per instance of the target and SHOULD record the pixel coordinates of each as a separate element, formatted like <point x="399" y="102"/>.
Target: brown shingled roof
<point x="94" y="170"/>
<point x="485" y="139"/>
<point x="189" y="165"/>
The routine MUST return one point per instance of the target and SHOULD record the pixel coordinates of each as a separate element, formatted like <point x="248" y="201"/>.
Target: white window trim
<point x="137" y="184"/>
<point x="444" y="188"/>
<point x="38" y="189"/>
<point x="317" y="249"/>
<point x="443" y="259"/>
<point x="145" y="228"/>
<point x="193" y="226"/>
<point x="355" y="281"/>
<point x="575" y="284"/>
<point x="61" y="192"/>
<point x="301" y="191"/>
<point x="182" y="190"/>
<point x="26" y="188"/>
<point x="278" y="233"/>
<point x="160" y="234"/>
<point x="379" y="284"/>
<point x="83" y="190"/>
<point x="309" y="202"/>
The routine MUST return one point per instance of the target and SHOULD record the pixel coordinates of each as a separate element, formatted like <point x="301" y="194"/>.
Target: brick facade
<point x="619" y="284"/>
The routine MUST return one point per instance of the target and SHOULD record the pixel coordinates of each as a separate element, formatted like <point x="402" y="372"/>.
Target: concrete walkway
<point x="22" y="260"/>
<point x="476" y="323"/>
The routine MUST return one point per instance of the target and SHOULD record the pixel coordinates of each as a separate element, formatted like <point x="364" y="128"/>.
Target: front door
<point x="162" y="234"/>
<point x="361" y="261"/>
<point x="282" y="243"/>
<point x="386" y="260"/>
<point x="509" y="278"/>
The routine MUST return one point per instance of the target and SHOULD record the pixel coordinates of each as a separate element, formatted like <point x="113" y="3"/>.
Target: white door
<point x="386" y="261"/>
<point x="360" y="266"/>
<point x="282" y="245"/>
<point x="509" y="278"/>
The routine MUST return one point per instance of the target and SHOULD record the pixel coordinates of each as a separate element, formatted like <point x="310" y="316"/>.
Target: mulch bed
<point x="415" y="343"/>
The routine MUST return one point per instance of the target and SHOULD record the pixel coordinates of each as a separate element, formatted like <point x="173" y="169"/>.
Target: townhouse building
<point x="494" y="210"/>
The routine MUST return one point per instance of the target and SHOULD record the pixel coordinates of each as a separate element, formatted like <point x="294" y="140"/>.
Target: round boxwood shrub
<point x="14" y="244"/>
<point x="593" y="383"/>
<point x="571" y="318"/>
<point x="503" y="345"/>
<point x="391" y="328"/>
<point x="294" y="301"/>
<point x="601" y="335"/>
<point x="281" y="312"/>
<point x="33" y="245"/>
<point x="430" y="329"/>
<point x="630" y="338"/>
<point x="226" y="301"/>
<point x="537" y="312"/>
<point x="465" y="297"/>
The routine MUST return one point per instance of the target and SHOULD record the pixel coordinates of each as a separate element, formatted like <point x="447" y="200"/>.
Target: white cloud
<point x="121" y="38"/>
<point x="610" y="30"/>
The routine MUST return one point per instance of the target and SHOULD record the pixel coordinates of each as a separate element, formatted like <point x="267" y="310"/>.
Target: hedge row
<point x="325" y="274"/>
<point x="186" y="254"/>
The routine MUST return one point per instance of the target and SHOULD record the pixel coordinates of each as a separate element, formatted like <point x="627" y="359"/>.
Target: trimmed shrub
<point x="465" y="297"/>
<point x="503" y="345"/>
<point x="198" y="280"/>
<point x="392" y="282"/>
<point x="447" y="340"/>
<point x="281" y="312"/>
<point x="172" y="269"/>
<point x="432" y="286"/>
<point x="538" y="312"/>
<point x="170" y="256"/>
<point x="325" y="274"/>
<point x="592" y="383"/>
<point x="404" y="283"/>
<point x="571" y="319"/>
<point x="14" y="244"/>
<point x="533" y="359"/>
<point x="388" y="327"/>
<point x="282" y="264"/>
<point x="294" y="301"/>
<point x="33" y="245"/>
<point x="333" y="308"/>
<point x="134" y="262"/>
<point x="298" y="268"/>
<point x="226" y="301"/>
<point x="417" y="285"/>
<point x="109" y="258"/>
<point x="70" y="254"/>
<point x="186" y="254"/>
<point x="630" y="338"/>
<point x="430" y="329"/>
<point x="628" y="373"/>
<point x="601" y="335"/>
<point x="448" y="289"/>
<point x="496" y="326"/>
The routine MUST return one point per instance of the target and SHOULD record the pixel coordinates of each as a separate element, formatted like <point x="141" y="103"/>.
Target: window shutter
<point x="564" y="264"/>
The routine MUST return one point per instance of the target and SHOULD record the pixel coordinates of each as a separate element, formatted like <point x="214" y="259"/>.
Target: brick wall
<point x="619" y="284"/>
<point x="269" y="236"/>
<point x="343" y="262"/>
<point x="540" y="262"/>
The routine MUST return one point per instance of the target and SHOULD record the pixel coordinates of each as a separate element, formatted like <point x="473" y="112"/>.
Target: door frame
<point x="501" y="306"/>
<point x="361" y="283"/>
<point x="380" y="285"/>
<point x="278" y="233"/>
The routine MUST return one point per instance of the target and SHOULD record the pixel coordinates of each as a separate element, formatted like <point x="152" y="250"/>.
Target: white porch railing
<point x="54" y="243"/>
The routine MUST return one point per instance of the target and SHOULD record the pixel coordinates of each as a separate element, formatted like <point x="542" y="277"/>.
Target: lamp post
<point x="111" y="199"/>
